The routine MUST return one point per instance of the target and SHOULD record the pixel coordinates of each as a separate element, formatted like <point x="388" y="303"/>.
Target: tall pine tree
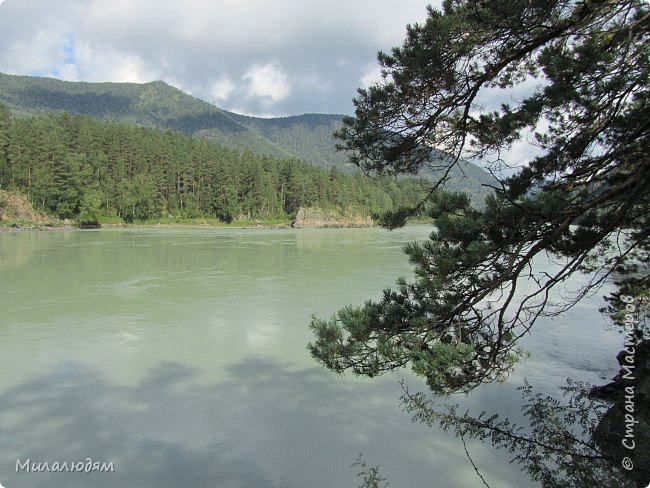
<point x="581" y="73"/>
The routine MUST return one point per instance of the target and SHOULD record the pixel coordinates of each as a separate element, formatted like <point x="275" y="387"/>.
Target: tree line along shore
<point x="82" y="171"/>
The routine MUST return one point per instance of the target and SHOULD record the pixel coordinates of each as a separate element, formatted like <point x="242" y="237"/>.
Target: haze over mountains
<point x="157" y="104"/>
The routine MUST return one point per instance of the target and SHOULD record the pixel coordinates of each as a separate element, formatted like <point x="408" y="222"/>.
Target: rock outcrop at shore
<point x="321" y="218"/>
<point x="624" y="431"/>
<point x="15" y="210"/>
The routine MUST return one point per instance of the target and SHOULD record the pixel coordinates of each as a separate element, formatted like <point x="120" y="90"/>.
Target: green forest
<point x="308" y="137"/>
<point x="79" y="167"/>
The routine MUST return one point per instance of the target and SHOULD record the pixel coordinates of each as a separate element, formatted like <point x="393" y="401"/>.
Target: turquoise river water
<point x="179" y="355"/>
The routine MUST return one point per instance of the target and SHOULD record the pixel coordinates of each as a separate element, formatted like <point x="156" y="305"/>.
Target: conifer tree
<point x="572" y="74"/>
<point x="5" y="121"/>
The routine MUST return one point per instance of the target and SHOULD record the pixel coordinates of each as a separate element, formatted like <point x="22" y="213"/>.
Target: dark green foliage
<point x="307" y="137"/>
<point x="458" y="322"/>
<point x="90" y="207"/>
<point x="77" y="167"/>
<point x="4" y="145"/>
<point x="370" y="476"/>
<point x="153" y="104"/>
<point x="557" y="448"/>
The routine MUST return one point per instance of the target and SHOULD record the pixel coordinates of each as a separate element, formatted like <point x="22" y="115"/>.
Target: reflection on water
<point x="267" y="426"/>
<point x="562" y="443"/>
<point x="180" y="355"/>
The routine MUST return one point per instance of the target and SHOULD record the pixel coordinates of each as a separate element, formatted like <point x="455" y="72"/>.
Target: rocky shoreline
<point x="18" y="215"/>
<point x="319" y="218"/>
<point x="292" y="225"/>
<point x="37" y="228"/>
<point x="623" y="433"/>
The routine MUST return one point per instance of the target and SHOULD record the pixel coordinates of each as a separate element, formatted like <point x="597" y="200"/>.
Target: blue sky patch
<point x="69" y="55"/>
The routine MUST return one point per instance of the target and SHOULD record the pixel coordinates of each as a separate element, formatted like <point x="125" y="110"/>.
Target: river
<point x="179" y="355"/>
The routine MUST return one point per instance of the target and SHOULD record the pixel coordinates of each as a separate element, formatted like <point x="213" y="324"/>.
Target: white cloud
<point x="68" y="72"/>
<point x="491" y="98"/>
<point x="107" y="64"/>
<point x="221" y="89"/>
<point x="371" y="76"/>
<point x="314" y="81"/>
<point x="218" y="51"/>
<point x="268" y="82"/>
<point x="39" y="54"/>
<point x="524" y="150"/>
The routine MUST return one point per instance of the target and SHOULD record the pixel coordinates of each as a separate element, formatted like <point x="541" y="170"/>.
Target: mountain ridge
<point x="151" y="104"/>
<point x="308" y="137"/>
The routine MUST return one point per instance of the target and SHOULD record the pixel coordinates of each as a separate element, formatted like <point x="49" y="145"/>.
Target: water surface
<point x="179" y="354"/>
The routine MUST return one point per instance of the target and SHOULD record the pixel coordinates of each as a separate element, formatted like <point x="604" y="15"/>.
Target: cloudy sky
<point x="279" y="57"/>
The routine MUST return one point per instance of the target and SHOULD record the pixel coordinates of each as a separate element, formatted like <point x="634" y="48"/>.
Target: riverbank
<point x="18" y="215"/>
<point x="198" y="223"/>
<point x="29" y="227"/>
<point x="34" y="228"/>
<point x="47" y="224"/>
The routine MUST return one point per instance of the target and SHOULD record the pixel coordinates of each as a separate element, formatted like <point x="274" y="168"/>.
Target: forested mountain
<point x="153" y="104"/>
<point x="307" y="137"/>
<point x="310" y="136"/>
<point x="76" y="166"/>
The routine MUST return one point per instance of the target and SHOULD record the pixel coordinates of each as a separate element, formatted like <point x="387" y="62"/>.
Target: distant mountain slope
<point x="309" y="135"/>
<point x="153" y="104"/>
<point x="157" y="104"/>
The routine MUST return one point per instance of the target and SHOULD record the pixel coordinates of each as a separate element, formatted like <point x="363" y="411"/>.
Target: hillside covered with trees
<point x="307" y="137"/>
<point x="78" y="167"/>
